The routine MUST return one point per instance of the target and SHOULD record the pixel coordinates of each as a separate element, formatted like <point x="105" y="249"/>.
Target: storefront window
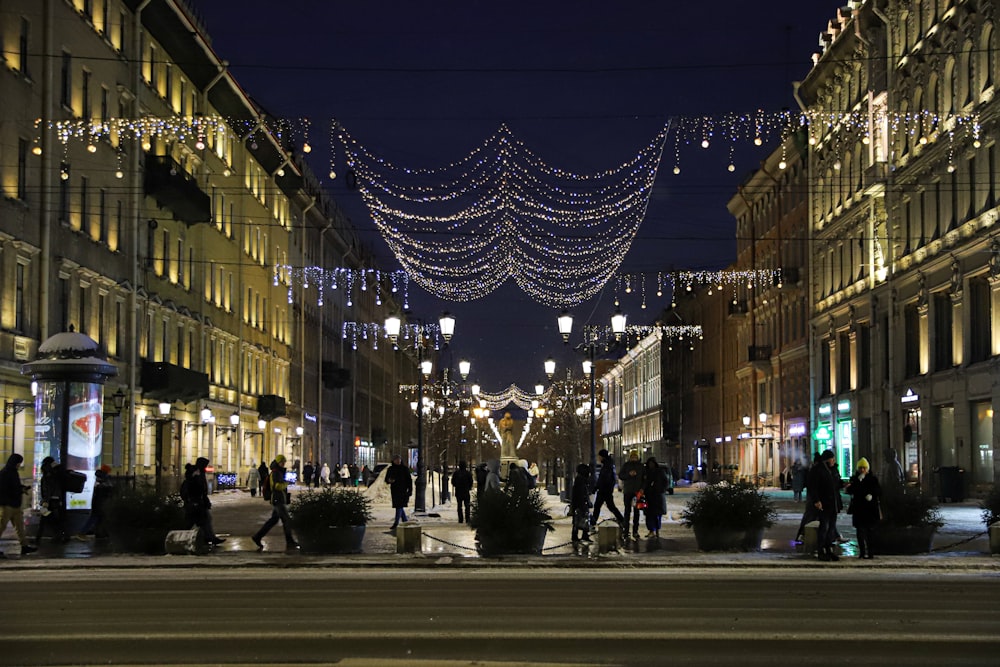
<point x="945" y="436"/>
<point x="982" y="443"/>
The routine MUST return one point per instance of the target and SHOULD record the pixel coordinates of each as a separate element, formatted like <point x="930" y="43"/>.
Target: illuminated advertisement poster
<point x="84" y="438"/>
<point x="76" y="409"/>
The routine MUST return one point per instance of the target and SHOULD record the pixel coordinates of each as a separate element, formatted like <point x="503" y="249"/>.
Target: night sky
<point x="583" y="84"/>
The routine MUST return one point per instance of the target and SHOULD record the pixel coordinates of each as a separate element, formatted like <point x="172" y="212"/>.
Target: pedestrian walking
<point x="462" y="481"/>
<point x="517" y="479"/>
<point x="606" y="484"/>
<point x="324" y="474"/>
<point x="809" y="512"/>
<point x="492" y="480"/>
<point x="201" y="504"/>
<point x="307" y="474"/>
<point x="579" y="504"/>
<point x="400" y="486"/>
<point x="12" y="493"/>
<point x="103" y="490"/>
<point x="631" y="481"/>
<point x="655" y="483"/>
<point x="279" y="507"/>
<point x="352" y="471"/>
<point x="253" y="479"/>
<point x="865" y="492"/>
<point x="345" y="475"/>
<point x="824" y="490"/>
<point x="533" y="474"/>
<point x="798" y="479"/>
<point x="53" y="502"/>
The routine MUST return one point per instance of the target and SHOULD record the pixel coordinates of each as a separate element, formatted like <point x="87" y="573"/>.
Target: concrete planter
<point x="332" y="540"/>
<point x="499" y="544"/>
<point x="905" y="540"/>
<point x="719" y="539"/>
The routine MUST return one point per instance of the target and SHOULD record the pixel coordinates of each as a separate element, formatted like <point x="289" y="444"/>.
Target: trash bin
<point x="950" y="486"/>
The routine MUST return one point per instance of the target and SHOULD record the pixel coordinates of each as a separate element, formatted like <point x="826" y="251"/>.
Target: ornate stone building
<point x="905" y="280"/>
<point x="150" y="203"/>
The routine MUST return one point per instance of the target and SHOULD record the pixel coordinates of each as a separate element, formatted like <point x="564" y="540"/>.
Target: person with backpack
<point x="275" y="491"/>
<point x="462" y="481"/>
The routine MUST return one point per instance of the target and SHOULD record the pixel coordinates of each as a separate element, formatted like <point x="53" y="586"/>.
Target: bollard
<point x="408" y="539"/>
<point x="608" y="538"/>
<point x="810" y="538"/>
<point x="995" y="538"/>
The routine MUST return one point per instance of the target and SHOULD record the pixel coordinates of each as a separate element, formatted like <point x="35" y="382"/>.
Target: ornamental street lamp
<point x="446" y="324"/>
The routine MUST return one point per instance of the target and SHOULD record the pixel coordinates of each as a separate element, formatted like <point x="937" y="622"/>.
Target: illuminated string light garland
<point x="325" y="280"/>
<point x="409" y="335"/>
<point x="501" y="213"/>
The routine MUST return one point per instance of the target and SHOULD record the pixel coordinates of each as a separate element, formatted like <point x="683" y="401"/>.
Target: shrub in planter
<point x="909" y="520"/>
<point x="510" y="522"/>
<point x="138" y="519"/>
<point x="332" y="520"/>
<point x="991" y="517"/>
<point x="991" y="506"/>
<point x="729" y="516"/>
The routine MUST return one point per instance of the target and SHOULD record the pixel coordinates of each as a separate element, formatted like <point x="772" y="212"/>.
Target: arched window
<point x="968" y="78"/>
<point x="947" y="87"/>
<point x="987" y="58"/>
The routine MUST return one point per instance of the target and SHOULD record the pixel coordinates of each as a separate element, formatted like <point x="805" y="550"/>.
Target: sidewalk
<point x="961" y="544"/>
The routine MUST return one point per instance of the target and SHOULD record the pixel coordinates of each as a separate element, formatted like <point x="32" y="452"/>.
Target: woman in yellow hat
<point x="864" y="508"/>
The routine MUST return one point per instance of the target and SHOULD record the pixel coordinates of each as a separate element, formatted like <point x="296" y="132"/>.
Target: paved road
<point x="315" y="615"/>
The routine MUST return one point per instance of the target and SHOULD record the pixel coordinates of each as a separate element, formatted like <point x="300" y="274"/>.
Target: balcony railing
<point x="174" y="189"/>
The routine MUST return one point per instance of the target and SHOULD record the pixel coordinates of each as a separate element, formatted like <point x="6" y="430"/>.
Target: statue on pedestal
<point x="508" y="449"/>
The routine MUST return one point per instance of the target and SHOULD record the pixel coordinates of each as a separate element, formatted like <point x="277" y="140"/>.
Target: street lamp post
<point x="392" y="327"/>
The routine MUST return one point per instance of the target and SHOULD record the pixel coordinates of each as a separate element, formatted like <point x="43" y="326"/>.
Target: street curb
<point x="757" y="561"/>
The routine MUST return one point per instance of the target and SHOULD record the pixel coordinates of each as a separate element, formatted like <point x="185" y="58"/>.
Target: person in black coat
<point x="202" y="505"/>
<point x="262" y="473"/>
<point x="53" y="507"/>
<point x="307" y="474"/>
<point x="11" y="497"/>
<point x="606" y="484"/>
<point x="654" y="491"/>
<point x="865" y="492"/>
<point x="824" y="490"/>
<point x="462" y="481"/>
<point x="579" y="504"/>
<point x="400" y="487"/>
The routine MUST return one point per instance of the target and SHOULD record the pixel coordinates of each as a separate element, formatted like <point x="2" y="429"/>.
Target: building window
<point x="85" y="111"/>
<point x="22" y="48"/>
<point x="84" y="207"/>
<point x="100" y="317"/>
<point x="19" y="323"/>
<point x="864" y="356"/>
<point x="64" y="193"/>
<point x="943" y="356"/>
<point x="81" y="305"/>
<point x="102" y="216"/>
<point x="66" y="80"/>
<point x="980" y="314"/>
<point x="22" y="169"/>
<point x="911" y="332"/>
<point x="63" y="303"/>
